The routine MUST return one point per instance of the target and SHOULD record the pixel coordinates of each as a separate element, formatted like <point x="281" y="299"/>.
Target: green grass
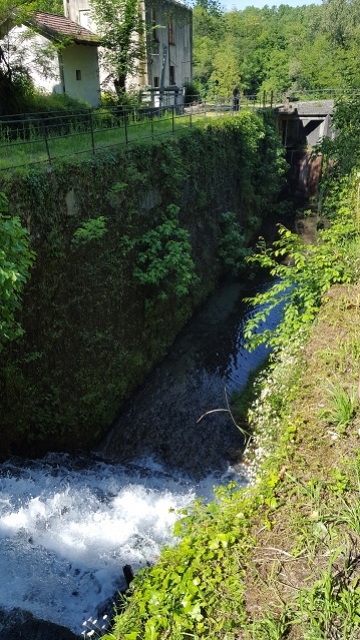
<point x="19" y="153"/>
<point x="342" y="405"/>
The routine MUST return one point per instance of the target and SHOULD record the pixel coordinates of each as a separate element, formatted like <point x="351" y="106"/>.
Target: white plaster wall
<point x="83" y="58"/>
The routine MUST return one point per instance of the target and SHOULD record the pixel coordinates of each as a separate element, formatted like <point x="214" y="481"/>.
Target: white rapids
<point x="68" y="526"/>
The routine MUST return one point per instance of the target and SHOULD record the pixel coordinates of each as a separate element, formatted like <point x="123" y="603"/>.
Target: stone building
<point x="168" y="46"/>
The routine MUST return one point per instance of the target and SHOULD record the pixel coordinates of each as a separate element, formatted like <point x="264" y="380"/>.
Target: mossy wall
<point x="92" y="332"/>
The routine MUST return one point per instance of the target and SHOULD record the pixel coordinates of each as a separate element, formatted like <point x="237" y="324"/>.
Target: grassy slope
<point x="303" y="570"/>
<point x="20" y="153"/>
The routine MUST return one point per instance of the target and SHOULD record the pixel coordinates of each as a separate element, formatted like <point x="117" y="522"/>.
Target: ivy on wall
<point x="127" y="245"/>
<point x="16" y="259"/>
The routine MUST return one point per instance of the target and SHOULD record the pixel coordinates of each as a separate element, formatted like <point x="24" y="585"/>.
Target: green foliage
<point x="40" y="101"/>
<point x="180" y="595"/>
<point x="344" y="148"/>
<point x="342" y="407"/>
<point x="120" y="28"/>
<point x="191" y="92"/>
<point x="303" y="273"/>
<point x="164" y="257"/>
<point x="16" y="260"/>
<point x="92" y="229"/>
<point x="232" y="243"/>
<point x="330" y="607"/>
<point x="280" y="49"/>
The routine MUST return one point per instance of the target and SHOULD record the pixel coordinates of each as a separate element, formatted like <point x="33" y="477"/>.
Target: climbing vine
<point x="233" y="243"/>
<point x="16" y="260"/>
<point x="164" y="259"/>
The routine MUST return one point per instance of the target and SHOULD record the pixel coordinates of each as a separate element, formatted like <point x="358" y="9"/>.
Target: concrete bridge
<point x="303" y="124"/>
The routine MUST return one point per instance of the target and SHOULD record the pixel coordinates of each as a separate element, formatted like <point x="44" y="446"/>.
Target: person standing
<point x="236" y="99"/>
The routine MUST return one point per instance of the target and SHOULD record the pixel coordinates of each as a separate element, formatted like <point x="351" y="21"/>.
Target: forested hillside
<point x="276" y="48"/>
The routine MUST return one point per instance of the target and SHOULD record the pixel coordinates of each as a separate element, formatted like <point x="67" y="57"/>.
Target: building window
<point x="171" y="31"/>
<point x="153" y="26"/>
<point x="78" y="74"/>
<point x="172" y="75"/>
<point x="155" y="48"/>
<point x="186" y="30"/>
<point x="156" y="81"/>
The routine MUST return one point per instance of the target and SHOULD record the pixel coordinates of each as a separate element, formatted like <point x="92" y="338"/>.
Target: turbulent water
<point x="69" y="525"/>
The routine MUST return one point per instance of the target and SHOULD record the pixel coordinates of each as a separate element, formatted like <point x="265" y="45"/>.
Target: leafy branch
<point x="302" y="274"/>
<point x="16" y="259"/>
<point x="164" y="259"/>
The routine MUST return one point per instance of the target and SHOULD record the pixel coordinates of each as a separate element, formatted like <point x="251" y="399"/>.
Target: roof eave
<point x="58" y="36"/>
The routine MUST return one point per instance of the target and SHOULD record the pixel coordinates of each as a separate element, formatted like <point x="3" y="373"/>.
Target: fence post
<point x="190" y="116"/>
<point x="44" y="128"/>
<point x="125" y="126"/>
<point x="92" y="132"/>
<point x="152" y="125"/>
<point x="173" y="119"/>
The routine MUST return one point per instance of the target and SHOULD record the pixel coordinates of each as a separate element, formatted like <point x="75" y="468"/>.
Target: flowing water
<point x="69" y="525"/>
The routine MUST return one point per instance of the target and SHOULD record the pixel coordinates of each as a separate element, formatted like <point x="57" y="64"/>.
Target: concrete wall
<point x="81" y="73"/>
<point x="305" y="172"/>
<point x="178" y="40"/>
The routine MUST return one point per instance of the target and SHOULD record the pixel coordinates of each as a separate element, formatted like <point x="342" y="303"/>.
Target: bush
<point x="191" y="92"/>
<point x="39" y="101"/>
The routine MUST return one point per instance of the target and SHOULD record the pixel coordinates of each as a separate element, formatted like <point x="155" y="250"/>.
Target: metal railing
<point x="27" y="139"/>
<point x="33" y="138"/>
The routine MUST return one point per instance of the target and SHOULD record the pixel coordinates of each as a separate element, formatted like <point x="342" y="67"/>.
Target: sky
<point x="241" y="4"/>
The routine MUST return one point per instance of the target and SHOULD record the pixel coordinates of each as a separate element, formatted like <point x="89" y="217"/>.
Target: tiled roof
<point x="53" y="25"/>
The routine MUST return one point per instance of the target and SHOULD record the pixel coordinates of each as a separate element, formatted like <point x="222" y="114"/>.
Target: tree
<point x="120" y="26"/>
<point x="339" y="20"/>
<point x="15" y="80"/>
<point x="208" y="34"/>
